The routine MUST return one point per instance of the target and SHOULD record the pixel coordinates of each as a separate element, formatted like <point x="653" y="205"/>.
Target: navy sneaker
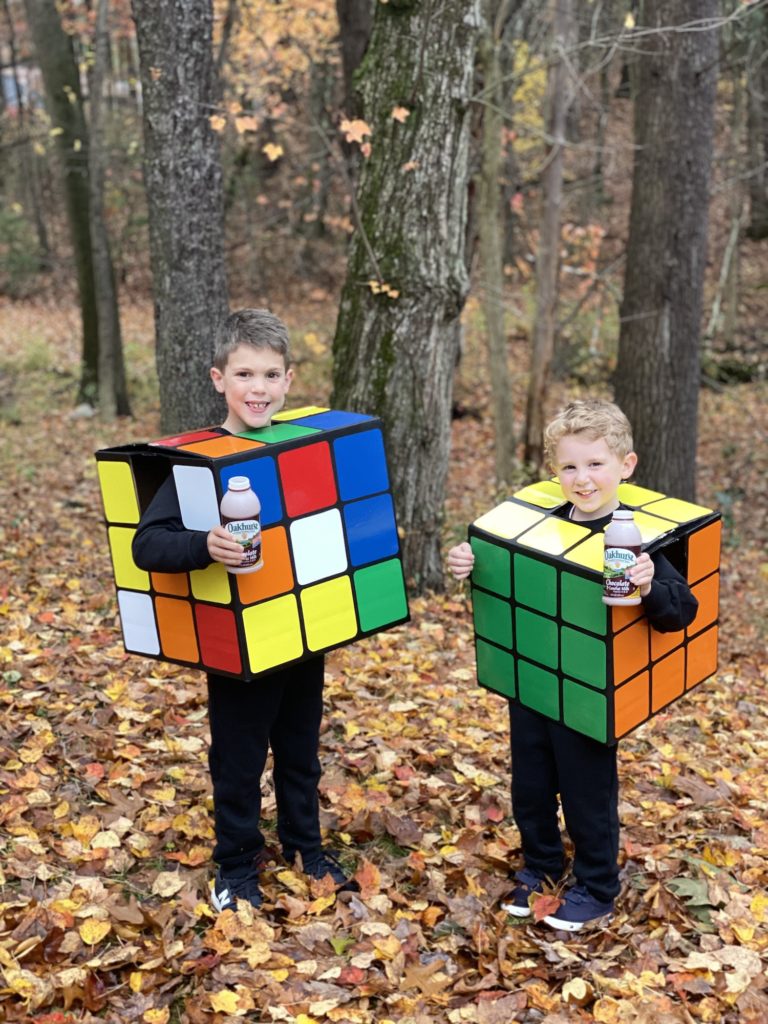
<point x="518" y="903"/>
<point x="225" y="892"/>
<point x="578" y="910"/>
<point x="320" y="863"/>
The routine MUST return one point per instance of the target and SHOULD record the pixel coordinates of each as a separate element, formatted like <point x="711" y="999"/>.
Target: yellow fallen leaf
<point x="158" y="1016"/>
<point x="224" y="1001"/>
<point x="135" y="981"/>
<point x="167" y="884"/>
<point x="217" y="122"/>
<point x="93" y="931"/>
<point x="400" y="114"/>
<point x="272" y="151"/>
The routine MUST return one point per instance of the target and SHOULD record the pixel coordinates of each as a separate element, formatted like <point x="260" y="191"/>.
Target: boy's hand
<point x="641" y="574"/>
<point x="461" y="560"/>
<point x="222" y="548"/>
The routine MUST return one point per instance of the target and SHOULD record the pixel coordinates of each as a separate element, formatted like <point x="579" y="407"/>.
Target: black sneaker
<point x="321" y="863"/>
<point x="518" y="903"/>
<point x="225" y="892"/>
<point x="578" y="910"/>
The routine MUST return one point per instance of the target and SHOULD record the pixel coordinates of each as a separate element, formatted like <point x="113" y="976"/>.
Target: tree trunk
<point x="28" y="158"/>
<point x="355" y="23"/>
<point x="490" y="221"/>
<point x="657" y="374"/>
<point x="395" y="354"/>
<point x="56" y="58"/>
<point x="113" y="393"/>
<point x="757" y="123"/>
<point x="182" y="174"/>
<point x="548" y="252"/>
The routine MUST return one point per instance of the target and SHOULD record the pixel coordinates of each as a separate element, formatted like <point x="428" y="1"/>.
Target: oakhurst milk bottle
<point x="240" y="511"/>
<point x="622" y="546"/>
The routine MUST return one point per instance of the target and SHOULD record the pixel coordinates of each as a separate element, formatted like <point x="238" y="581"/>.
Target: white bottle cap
<point x="239" y="483"/>
<point x="620" y="513"/>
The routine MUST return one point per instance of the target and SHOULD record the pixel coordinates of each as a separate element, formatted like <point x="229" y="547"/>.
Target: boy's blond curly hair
<point x="594" y="418"/>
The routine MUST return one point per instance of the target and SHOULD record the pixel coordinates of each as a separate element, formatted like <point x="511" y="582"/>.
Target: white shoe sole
<point x="576" y="926"/>
<point x="516" y="911"/>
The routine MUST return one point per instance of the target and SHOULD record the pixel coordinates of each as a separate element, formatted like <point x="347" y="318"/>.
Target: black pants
<point x="282" y="710"/>
<point x="548" y="759"/>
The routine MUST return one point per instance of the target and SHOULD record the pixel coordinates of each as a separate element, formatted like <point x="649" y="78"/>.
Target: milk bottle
<point x="240" y="511"/>
<point x="622" y="546"/>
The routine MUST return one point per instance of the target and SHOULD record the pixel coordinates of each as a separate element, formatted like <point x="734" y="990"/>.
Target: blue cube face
<point x="371" y="529"/>
<point x="262" y="473"/>
<point x="331" y="568"/>
<point x="361" y="465"/>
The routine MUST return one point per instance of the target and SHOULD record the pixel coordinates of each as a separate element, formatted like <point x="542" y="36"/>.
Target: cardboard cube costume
<point x="332" y="567"/>
<point x="545" y="639"/>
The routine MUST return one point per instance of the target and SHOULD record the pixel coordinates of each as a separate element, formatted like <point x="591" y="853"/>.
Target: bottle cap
<point x="620" y="513"/>
<point x="239" y="483"/>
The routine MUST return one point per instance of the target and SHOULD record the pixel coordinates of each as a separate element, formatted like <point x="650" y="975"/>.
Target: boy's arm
<point x="162" y="543"/>
<point x="670" y="605"/>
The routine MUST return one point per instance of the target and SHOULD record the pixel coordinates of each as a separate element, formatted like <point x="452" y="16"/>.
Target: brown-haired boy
<point x="283" y="709"/>
<point x="588" y="445"/>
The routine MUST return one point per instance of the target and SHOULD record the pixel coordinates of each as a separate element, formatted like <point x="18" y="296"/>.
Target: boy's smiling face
<point x="254" y="384"/>
<point x="590" y="474"/>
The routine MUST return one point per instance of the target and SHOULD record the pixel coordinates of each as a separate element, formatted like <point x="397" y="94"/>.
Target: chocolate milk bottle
<point x="622" y="546"/>
<point x="240" y="512"/>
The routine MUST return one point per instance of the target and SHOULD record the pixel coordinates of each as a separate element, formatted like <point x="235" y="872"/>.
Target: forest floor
<point x="105" y="812"/>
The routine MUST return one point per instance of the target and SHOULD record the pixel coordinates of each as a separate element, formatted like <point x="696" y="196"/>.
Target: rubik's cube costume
<point x="332" y="574"/>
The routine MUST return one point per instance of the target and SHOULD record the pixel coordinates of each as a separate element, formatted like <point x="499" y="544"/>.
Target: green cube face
<point x="536" y="637"/>
<point x="538" y="690"/>
<point x="492" y="567"/>
<point x="535" y="584"/>
<point x="582" y="603"/>
<point x="495" y="669"/>
<point x="380" y="592"/>
<point x="493" y="618"/>
<point x="583" y="657"/>
<point x="584" y="710"/>
<point x="544" y="637"/>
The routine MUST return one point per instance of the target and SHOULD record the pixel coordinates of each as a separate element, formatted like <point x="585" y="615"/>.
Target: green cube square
<point x="493" y="618"/>
<point x="380" y="592"/>
<point x="493" y="567"/>
<point x="581" y="603"/>
<point x="535" y="584"/>
<point x="536" y="637"/>
<point x="495" y="669"/>
<point x="538" y="689"/>
<point x="583" y="657"/>
<point x="585" y="710"/>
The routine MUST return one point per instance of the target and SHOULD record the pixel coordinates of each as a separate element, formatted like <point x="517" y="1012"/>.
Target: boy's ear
<point x="288" y="378"/>
<point x="630" y="461"/>
<point x="218" y="379"/>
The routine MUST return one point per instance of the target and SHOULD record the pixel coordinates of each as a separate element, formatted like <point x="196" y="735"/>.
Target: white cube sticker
<point x="137" y="618"/>
<point x="197" y="497"/>
<point x="318" y="546"/>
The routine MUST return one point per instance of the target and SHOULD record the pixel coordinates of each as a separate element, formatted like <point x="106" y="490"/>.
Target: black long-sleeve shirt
<point x="162" y="542"/>
<point x="670" y="605"/>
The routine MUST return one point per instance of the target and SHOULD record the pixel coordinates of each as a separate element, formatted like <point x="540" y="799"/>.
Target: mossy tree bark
<point x="53" y="48"/>
<point x="395" y="356"/>
<point x="657" y="374"/>
<point x="182" y="174"/>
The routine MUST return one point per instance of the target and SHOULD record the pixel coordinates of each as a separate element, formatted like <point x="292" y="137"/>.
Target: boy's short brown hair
<point x="257" y="327"/>
<point x="594" y="418"/>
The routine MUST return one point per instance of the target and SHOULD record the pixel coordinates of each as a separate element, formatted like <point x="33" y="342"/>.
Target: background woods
<point x="466" y="213"/>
